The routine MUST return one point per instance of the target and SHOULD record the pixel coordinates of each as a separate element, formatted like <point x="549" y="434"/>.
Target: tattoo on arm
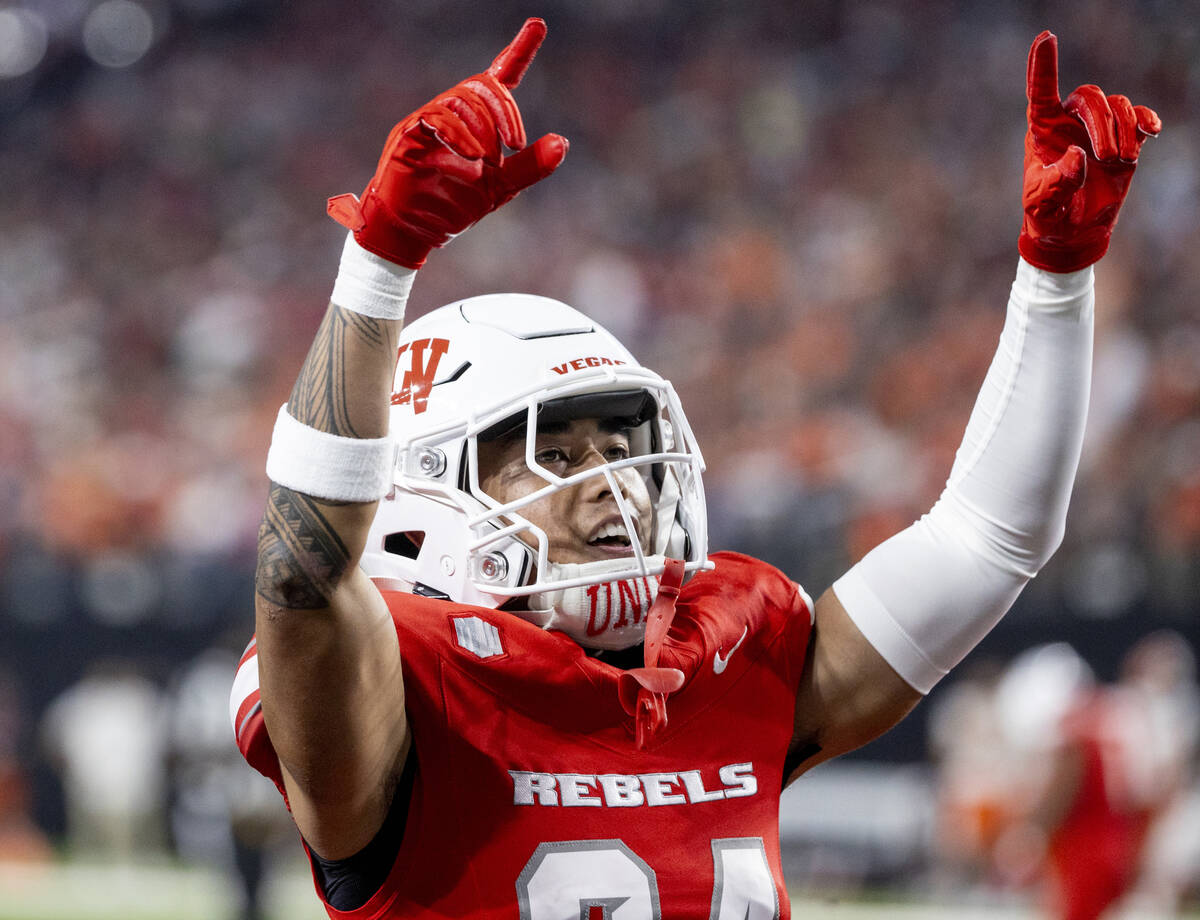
<point x="319" y="397"/>
<point x="300" y="555"/>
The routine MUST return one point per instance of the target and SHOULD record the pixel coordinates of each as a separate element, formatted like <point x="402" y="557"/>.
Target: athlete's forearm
<point x="928" y="595"/>
<point x="344" y="383"/>
<point x="329" y="460"/>
<point x="308" y="543"/>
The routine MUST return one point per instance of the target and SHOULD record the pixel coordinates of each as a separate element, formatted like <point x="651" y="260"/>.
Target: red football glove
<point x="442" y="168"/>
<point x="1079" y="160"/>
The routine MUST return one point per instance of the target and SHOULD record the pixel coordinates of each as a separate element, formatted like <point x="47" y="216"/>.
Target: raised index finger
<point x="1042" y="76"/>
<point x="511" y="63"/>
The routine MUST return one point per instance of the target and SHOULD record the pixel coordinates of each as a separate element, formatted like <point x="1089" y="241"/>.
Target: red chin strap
<point x="644" y="690"/>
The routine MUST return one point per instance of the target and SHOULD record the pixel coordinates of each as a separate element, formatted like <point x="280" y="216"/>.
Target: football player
<point x="497" y="672"/>
<point x="1101" y="765"/>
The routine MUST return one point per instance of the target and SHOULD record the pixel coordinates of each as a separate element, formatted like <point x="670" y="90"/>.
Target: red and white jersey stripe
<point x="245" y="713"/>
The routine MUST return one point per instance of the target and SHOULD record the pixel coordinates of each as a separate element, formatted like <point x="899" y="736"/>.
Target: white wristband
<point x="371" y="285"/>
<point x="327" y="465"/>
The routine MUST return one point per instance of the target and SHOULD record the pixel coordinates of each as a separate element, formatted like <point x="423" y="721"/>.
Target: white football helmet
<point x="487" y="366"/>
<point x="1038" y="688"/>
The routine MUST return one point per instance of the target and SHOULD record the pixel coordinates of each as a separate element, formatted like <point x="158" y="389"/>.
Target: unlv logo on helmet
<point x="418" y="378"/>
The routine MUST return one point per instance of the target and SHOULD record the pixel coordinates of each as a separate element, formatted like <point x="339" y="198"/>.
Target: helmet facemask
<point x="599" y="597"/>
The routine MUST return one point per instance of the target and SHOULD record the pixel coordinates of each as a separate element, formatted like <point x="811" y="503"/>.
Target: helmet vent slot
<point x="406" y="543"/>
<point x="462" y="369"/>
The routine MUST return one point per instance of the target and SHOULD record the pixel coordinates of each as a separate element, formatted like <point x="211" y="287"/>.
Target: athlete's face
<point x="582" y="522"/>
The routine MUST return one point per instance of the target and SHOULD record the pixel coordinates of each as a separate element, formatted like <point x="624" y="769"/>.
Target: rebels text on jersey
<point x="531" y="798"/>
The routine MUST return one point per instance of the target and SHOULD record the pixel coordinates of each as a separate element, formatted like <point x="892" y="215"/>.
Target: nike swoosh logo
<point x="719" y="663"/>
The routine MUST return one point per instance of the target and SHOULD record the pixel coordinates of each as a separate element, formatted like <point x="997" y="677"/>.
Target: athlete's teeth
<point x="611" y="530"/>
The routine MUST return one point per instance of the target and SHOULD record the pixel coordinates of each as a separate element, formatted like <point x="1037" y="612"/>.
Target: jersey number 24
<point x="605" y="880"/>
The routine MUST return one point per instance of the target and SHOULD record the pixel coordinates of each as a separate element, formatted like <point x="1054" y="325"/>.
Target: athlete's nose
<point x="595" y="487"/>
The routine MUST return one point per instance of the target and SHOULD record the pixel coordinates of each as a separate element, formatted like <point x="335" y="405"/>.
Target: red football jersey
<point x="531" y="798"/>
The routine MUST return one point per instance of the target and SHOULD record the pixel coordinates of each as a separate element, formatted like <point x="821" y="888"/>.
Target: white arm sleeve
<point x="928" y="595"/>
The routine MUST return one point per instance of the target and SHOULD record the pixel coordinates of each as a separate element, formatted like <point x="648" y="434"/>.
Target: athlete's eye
<point x="616" y="452"/>
<point x="549" y="456"/>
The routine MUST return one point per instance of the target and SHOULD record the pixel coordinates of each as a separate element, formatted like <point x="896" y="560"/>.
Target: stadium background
<point x="802" y="214"/>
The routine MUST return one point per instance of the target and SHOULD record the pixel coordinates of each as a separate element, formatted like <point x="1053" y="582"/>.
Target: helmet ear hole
<point x="406" y="543"/>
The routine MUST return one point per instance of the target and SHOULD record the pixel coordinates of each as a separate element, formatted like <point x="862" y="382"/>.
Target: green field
<point x="92" y="892"/>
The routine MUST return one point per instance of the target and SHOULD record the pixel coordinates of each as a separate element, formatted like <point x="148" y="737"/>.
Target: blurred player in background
<point x="1158" y="680"/>
<point x="539" y="694"/>
<point x="221" y="813"/>
<point x="107" y="734"/>
<point x="1095" y="777"/>
<point x="975" y="775"/>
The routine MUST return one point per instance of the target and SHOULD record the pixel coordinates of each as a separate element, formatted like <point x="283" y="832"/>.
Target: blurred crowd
<point x="804" y="215"/>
